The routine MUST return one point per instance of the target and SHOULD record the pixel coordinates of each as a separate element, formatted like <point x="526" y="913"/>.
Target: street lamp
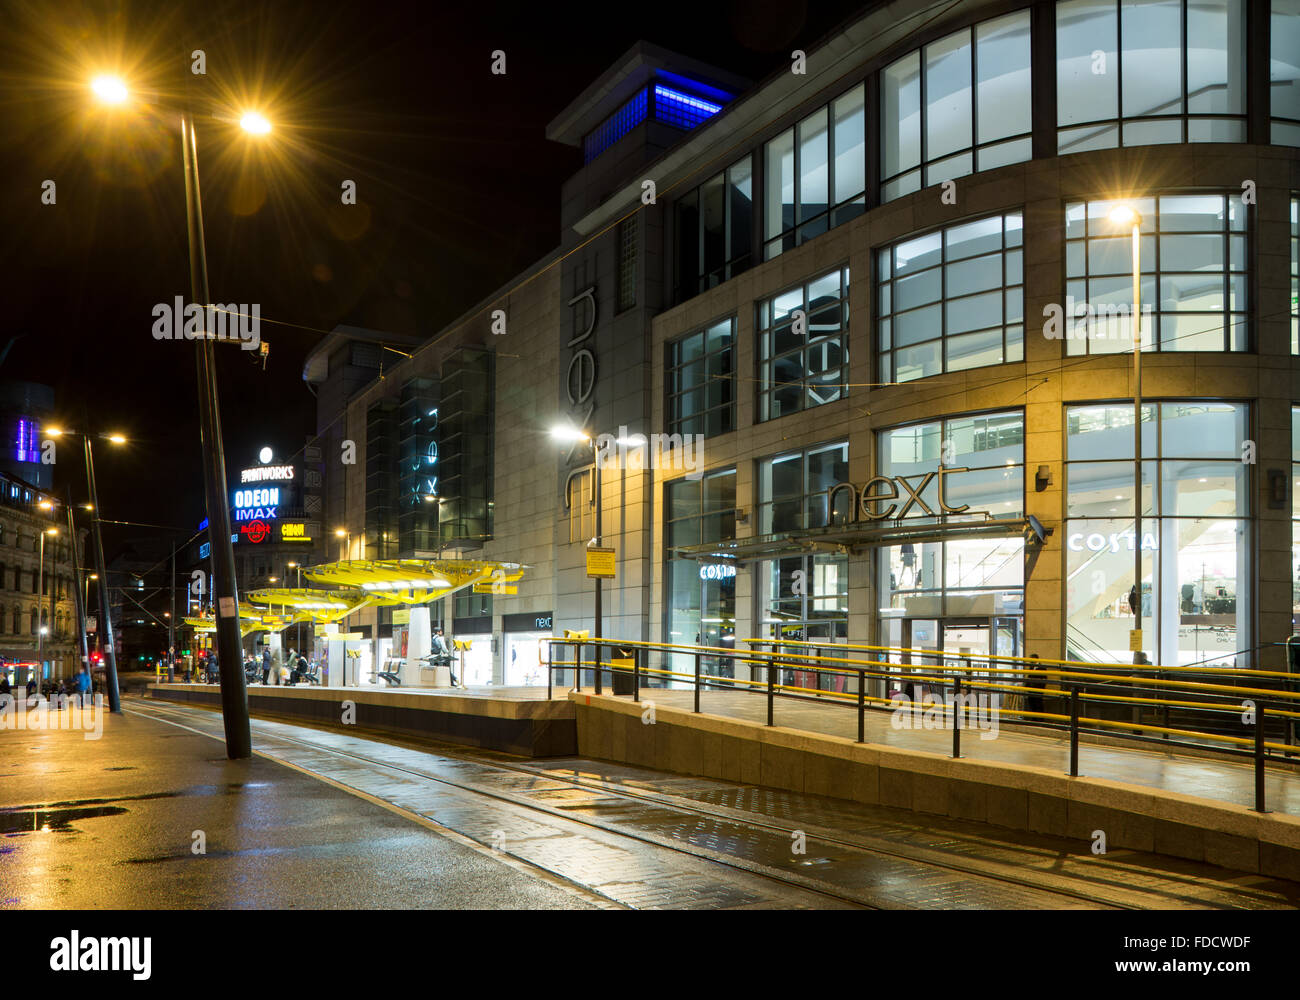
<point x="345" y="534"/>
<point x="40" y="611"/>
<point x="106" y="627"/>
<point x="1127" y="215"/>
<point x="566" y="434"/>
<point x="234" y="696"/>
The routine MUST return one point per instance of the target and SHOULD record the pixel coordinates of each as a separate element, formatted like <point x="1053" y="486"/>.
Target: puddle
<point x="50" y="820"/>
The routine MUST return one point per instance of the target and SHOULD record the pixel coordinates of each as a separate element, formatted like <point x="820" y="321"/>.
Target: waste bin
<point x="622" y="664"/>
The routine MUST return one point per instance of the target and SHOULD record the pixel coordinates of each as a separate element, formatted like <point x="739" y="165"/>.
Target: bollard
<point x="550" y="677"/>
<point x="1074" y="730"/>
<point x="697" y="683"/>
<point x="862" y="706"/>
<point x="1259" y="760"/>
<point x="597" y="648"/>
<point x="771" y="689"/>
<point x="636" y="673"/>
<point x="577" y="666"/>
<point x="956" y="718"/>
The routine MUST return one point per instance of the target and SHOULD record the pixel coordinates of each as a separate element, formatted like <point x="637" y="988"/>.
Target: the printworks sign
<point x="867" y="503"/>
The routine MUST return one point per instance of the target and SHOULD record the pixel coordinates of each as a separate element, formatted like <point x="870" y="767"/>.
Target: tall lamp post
<point x="40" y="608"/>
<point x="568" y="435"/>
<point x="105" y="626"/>
<point x="1126" y="215"/>
<point x="234" y="696"/>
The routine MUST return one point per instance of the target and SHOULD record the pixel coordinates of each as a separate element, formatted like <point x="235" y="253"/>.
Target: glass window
<point x="714" y="230"/>
<point x="965" y="576"/>
<point x="1193" y="266"/>
<point x="627" y="233"/>
<point x="1194" y="536"/>
<point x="989" y="448"/>
<point x="700" y="381"/>
<point x="701" y="600"/>
<point x="951" y="300"/>
<point x="1140" y="72"/>
<point x="1295" y="275"/>
<point x="803" y="346"/>
<point x="816" y="174"/>
<point x="793" y="488"/>
<point x="1284" y="72"/>
<point x="960" y="104"/>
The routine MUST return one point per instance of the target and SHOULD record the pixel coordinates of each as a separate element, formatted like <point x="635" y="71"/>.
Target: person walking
<point x="266" y="664"/>
<point x="84" y="686"/>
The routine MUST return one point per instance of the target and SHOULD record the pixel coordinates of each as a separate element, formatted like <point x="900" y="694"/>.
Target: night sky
<point x="458" y="189"/>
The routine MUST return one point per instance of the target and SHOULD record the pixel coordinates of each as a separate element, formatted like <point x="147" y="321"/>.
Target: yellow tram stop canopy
<point x="390" y="582"/>
<point x="306" y="605"/>
<point x="251" y="619"/>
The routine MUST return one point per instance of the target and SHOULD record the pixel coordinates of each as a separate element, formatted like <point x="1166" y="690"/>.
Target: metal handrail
<point x="955" y="678"/>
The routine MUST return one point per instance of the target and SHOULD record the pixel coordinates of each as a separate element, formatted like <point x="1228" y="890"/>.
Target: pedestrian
<point x="291" y="664"/>
<point x="266" y="664"/>
<point x="442" y="655"/>
<point x="83" y="685"/>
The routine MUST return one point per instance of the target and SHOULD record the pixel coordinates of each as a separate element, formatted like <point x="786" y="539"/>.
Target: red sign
<point x="256" y="531"/>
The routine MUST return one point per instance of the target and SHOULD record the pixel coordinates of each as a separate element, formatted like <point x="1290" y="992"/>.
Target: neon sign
<point x="259" y="504"/>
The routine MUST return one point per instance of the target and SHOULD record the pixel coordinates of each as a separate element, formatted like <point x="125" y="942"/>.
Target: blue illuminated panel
<point x="673" y="107"/>
<point x="27" y="449"/>
<point x="617" y="125"/>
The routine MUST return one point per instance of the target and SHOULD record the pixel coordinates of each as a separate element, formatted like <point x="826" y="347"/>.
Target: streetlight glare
<point x="564" y="433"/>
<point x="109" y="89"/>
<point x="1125" y="215"/>
<point x="339" y="532"/>
<point x="117" y="438"/>
<point x="54" y="431"/>
<point x="255" y="123"/>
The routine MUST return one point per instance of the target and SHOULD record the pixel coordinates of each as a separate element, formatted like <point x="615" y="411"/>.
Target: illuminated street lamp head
<point x="339" y="533"/>
<point x="109" y="89"/>
<point x="1125" y="215"/>
<point x="567" y="434"/>
<point x="117" y="438"/>
<point x="45" y="505"/>
<point x="51" y="531"/>
<point x="255" y="123"/>
<point x="54" y="431"/>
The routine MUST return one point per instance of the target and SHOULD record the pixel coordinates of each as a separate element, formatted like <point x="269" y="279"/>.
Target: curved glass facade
<point x="1138" y="72"/>
<point x="958" y="105"/>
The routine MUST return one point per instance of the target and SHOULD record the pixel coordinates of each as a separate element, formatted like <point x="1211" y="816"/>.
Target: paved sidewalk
<point x="110" y="823"/>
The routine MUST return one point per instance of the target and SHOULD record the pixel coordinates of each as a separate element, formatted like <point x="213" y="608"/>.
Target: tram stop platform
<point x="513" y="720"/>
<point x="1179" y="803"/>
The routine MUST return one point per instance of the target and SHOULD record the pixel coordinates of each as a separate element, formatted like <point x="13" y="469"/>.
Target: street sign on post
<point x="600" y="563"/>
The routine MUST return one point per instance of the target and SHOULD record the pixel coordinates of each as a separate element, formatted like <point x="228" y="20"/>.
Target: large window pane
<point x="700" y="381"/>
<point x="805" y="365"/>
<point x="1157" y="80"/>
<point x="1284" y="71"/>
<point x="1003" y="79"/>
<point x="921" y="333"/>
<point x="948" y="95"/>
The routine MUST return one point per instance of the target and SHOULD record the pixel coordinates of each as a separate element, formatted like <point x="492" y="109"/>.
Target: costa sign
<point x="883" y="489"/>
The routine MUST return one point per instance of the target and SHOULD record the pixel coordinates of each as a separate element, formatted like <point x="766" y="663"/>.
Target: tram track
<point x="1108" y="884"/>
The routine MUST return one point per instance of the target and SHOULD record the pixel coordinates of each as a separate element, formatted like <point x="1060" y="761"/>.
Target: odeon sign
<point x="861" y="500"/>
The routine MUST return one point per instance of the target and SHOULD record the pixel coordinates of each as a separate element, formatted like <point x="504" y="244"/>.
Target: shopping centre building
<point x="858" y="342"/>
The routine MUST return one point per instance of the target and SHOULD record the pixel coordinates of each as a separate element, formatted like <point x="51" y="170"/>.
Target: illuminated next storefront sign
<point x="860" y="501"/>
